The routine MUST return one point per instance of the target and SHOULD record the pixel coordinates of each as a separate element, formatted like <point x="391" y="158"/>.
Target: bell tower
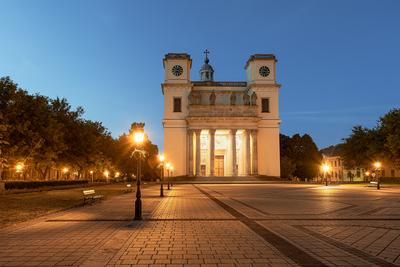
<point x="261" y="79"/>
<point x="177" y="67"/>
<point x="176" y="88"/>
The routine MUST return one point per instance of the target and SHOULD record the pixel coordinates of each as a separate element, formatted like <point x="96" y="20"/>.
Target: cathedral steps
<point x="225" y="179"/>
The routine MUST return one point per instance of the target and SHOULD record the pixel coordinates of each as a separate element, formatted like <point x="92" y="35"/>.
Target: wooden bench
<point x="373" y="183"/>
<point x="128" y="188"/>
<point x="90" y="196"/>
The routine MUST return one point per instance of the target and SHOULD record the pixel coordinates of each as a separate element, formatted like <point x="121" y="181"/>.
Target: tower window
<point x="177" y="104"/>
<point x="265" y="105"/>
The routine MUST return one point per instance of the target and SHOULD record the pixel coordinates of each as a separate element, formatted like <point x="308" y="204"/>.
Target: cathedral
<point x="221" y="128"/>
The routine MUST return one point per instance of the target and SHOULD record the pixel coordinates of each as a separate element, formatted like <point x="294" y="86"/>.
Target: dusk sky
<point x="338" y="61"/>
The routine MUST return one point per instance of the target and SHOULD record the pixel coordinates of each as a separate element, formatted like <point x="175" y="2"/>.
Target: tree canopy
<point x="381" y="142"/>
<point x="299" y="156"/>
<point x="47" y="133"/>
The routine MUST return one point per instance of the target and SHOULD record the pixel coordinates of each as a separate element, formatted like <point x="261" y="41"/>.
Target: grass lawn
<point x="21" y="207"/>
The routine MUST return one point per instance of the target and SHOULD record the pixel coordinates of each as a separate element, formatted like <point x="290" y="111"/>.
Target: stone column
<point x="190" y="149"/>
<point x="247" y="144"/>
<point x="233" y="146"/>
<point x="254" y="150"/>
<point x="197" y="152"/>
<point x="212" y="151"/>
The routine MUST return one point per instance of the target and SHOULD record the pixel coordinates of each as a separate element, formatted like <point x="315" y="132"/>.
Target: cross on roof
<point x="206" y="59"/>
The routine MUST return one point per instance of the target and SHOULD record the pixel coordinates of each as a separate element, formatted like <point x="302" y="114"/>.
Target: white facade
<point x="221" y="128"/>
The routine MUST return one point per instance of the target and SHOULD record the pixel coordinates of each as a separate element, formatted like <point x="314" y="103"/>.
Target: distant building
<point x="339" y="173"/>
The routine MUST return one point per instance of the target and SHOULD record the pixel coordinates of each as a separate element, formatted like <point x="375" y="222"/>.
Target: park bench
<point x="128" y="188"/>
<point x="90" y="196"/>
<point x="373" y="183"/>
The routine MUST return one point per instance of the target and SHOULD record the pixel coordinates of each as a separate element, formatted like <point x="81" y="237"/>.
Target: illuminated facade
<point x="221" y="128"/>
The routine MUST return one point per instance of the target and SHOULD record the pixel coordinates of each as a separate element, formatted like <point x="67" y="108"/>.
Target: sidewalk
<point x="184" y="227"/>
<point x="218" y="225"/>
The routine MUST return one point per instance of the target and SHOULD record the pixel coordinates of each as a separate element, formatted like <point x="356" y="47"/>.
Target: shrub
<point x="9" y="185"/>
<point x="390" y="180"/>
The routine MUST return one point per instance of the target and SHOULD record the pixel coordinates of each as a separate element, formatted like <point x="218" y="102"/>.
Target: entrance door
<point x="219" y="165"/>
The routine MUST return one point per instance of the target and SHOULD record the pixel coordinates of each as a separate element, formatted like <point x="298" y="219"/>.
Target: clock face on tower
<point x="264" y="71"/>
<point x="177" y="70"/>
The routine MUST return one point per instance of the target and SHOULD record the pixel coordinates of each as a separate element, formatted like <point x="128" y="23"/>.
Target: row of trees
<point x="46" y="134"/>
<point x="366" y="145"/>
<point x="299" y="156"/>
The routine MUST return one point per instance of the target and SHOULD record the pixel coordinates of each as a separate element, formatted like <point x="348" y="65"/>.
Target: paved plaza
<point x="218" y="225"/>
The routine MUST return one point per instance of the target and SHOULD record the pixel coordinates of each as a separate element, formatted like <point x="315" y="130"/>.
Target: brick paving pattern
<point x="218" y="225"/>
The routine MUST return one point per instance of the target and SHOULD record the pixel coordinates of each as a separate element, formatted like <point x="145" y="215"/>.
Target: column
<point x="233" y="146"/>
<point x="247" y="149"/>
<point x="190" y="149"/>
<point x="254" y="170"/>
<point x="212" y="151"/>
<point x="197" y="152"/>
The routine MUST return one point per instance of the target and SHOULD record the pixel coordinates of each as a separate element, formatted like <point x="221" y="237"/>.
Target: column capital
<point x="212" y="131"/>
<point x="253" y="131"/>
<point x="197" y="131"/>
<point x="233" y="131"/>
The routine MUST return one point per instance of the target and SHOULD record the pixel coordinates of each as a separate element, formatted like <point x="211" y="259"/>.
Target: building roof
<point x="177" y="56"/>
<point x="260" y="56"/>
<point x="212" y="83"/>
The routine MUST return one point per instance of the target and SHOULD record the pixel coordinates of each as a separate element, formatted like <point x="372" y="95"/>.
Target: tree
<point x="45" y="133"/>
<point x="389" y="134"/>
<point x="364" y="145"/>
<point x="299" y="156"/>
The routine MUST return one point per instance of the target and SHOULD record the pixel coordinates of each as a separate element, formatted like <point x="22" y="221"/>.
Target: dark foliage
<point x="10" y="185"/>
<point x="299" y="156"/>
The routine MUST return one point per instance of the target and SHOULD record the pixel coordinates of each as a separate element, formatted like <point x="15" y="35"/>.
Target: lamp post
<point x="137" y="130"/>
<point x="19" y="168"/>
<point x="65" y="171"/>
<point x="377" y="166"/>
<point x="172" y="171"/>
<point x="168" y="166"/>
<point x="325" y="168"/>
<point x="106" y="173"/>
<point x="367" y="174"/>
<point x="91" y="175"/>
<point x="161" y="158"/>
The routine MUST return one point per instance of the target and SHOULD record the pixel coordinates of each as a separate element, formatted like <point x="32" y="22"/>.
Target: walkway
<point x="218" y="225"/>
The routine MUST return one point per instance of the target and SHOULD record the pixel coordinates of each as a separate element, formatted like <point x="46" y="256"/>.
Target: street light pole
<point x="138" y="137"/>
<point x="138" y="201"/>
<point x="168" y="179"/>
<point x="161" y="158"/>
<point x="378" y="166"/>
<point x="325" y="168"/>
<point x="168" y="166"/>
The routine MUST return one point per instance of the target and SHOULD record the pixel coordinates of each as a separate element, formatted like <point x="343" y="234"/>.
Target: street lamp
<point x="106" y="173"/>
<point x="65" y="171"/>
<point x="137" y="130"/>
<point x="168" y="166"/>
<point x="377" y="165"/>
<point x="161" y="158"/>
<point x="172" y="171"/>
<point x="367" y="174"/>
<point x="91" y="175"/>
<point x="325" y="168"/>
<point x="19" y="168"/>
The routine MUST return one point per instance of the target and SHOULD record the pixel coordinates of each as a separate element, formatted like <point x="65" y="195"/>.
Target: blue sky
<point x="339" y="61"/>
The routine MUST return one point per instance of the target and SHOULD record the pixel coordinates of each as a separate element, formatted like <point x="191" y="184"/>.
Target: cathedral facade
<point x="221" y="128"/>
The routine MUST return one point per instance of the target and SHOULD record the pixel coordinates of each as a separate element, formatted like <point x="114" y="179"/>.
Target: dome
<point x="206" y="71"/>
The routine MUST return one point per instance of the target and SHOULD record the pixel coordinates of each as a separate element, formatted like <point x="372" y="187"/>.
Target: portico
<point x="222" y="152"/>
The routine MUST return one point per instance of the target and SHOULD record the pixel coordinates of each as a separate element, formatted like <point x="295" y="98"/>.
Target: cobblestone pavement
<point x="218" y="225"/>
